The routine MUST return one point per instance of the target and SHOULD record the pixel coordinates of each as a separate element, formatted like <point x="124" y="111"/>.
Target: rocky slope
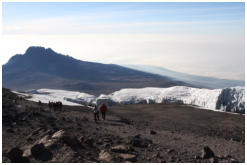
<point x="130" y="133"/>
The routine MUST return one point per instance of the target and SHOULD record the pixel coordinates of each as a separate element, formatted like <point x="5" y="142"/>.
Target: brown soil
<point x="151" y="133"/>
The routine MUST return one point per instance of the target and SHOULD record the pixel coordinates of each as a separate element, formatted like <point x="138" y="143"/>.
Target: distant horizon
<point x="204" y="39"/>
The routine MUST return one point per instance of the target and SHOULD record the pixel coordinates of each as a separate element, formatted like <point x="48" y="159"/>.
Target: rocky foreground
<point x="133" y="133"/>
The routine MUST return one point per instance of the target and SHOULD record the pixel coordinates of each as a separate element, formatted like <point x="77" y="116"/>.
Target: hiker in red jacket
<point x="103" y="109"/>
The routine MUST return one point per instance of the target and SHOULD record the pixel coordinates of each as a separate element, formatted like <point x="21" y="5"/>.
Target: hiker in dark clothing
<point x="59" y="105"/>
<point x="96" y="113"/>
<point x="50" y="105"/>
<point x="103" y="109"/>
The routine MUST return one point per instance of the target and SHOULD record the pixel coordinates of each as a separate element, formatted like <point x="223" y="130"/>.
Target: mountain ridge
<point x="203" y="81"/>
<point x="44" y="68"/>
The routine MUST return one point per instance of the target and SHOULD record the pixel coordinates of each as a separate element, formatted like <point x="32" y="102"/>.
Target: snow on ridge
<point x="66" y="97"/>
<point x="178" y="94"/>
<point x="227" y="99"/>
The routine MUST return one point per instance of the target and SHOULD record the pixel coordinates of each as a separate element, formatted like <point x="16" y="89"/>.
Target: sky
<point x="198" y="38"/>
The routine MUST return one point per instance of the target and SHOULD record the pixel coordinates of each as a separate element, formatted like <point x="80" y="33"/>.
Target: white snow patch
<point x="66" y="97"/>
<point x="228" y="99"/>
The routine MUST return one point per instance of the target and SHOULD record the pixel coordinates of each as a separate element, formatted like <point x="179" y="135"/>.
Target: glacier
<point x="225" y="100"/>
<point x="72" y="98"/>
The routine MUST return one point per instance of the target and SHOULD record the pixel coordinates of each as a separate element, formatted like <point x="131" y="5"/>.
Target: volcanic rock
<point x="130" y="157"/>
<point x="120" y="148"/>
<point x="15" y="155"/>
<point x="105" y="156"/>
<point x="207" y="153"/>
<point x="152" y="132"/>
<point x="39" y="152"/>
<point x="137" y="141"/>
<point x="71" y="141"/>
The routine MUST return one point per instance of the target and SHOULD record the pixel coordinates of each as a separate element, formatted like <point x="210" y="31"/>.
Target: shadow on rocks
<point x="137" y="141"/>
<point x="39" y="152"/>
<point x="15" y="155"/>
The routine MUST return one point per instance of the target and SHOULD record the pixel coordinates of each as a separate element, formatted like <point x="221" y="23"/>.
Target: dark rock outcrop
<point x="15" y="155"/>
<point x="152" y="132"/>
<point x="207" y="153"/>
<point x="137" y="141"/>
<point x="39" y="152"/>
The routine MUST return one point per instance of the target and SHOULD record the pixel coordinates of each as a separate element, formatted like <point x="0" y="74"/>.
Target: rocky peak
<point x="35" y="50"/>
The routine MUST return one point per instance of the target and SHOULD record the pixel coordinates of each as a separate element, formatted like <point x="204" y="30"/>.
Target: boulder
<point x="27" y="151"/>
<point x="120" y="148"/>
<point x="50" y="141"/>
<point x="39" y="152"/>
<point x="59" y="134"/>
<point x="137" y="141"/>
<point x="15" y="154"/>
<point x="47" y="141"/>
<point x="37" y="149"/>
<point x="71" y="141"/>
<point x="39" y="146"/>
<point x="152" y="132"/>
<point x="207" y="153"/>
<point x="105" y="156"/>
<point x="129" y="157"/>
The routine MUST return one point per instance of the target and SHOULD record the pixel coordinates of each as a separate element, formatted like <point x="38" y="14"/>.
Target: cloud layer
<point x="197" y="38"/>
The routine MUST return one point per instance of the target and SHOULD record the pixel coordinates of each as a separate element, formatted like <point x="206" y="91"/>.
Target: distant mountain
<point x="202" y="81"/>
<point x="44" y="68"/>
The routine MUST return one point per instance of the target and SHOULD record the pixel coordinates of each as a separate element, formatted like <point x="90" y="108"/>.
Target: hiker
<point x="16" y="99"/>
<point x="50" y="105"/>
<point x="39" y="103"/>
<point x="59" y="105"/>
<point x="103" y="109"/>
<point x="96" y="113"/>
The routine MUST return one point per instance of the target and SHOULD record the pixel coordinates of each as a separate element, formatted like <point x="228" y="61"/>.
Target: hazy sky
<point x="197" y="38"/>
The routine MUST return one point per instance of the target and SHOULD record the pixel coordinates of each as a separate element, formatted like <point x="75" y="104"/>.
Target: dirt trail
<point x="130" y="133"/>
